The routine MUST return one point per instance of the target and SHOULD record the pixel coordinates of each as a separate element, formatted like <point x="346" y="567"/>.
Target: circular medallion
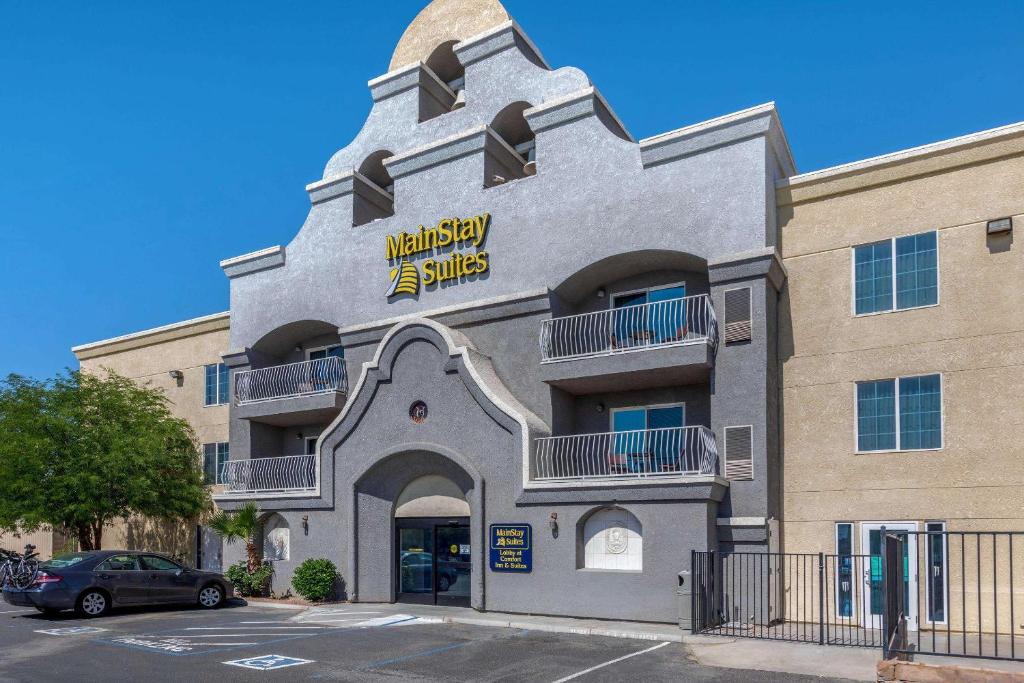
<point x="615" y="540"/>
<point x="418" y="412"/>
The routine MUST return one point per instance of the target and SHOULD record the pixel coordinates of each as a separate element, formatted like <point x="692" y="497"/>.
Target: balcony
<point x="645" y="454"/>
<point x="663" y="343"/>
<point x="312" y="391"/>
<point x="287" y="475"/>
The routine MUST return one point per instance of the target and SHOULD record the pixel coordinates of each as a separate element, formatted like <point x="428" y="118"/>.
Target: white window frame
<point x="305" y="445"/>
<point x="321" y="348"/>
<point x="899" y="449"/>
<point x="892" y="273"/>
<point x="217" y="374"/>
<point x="945" y="569"/>
<point x="645" y="408"/>
<point x="216" y="461"/>
<point x="647" y="290"/>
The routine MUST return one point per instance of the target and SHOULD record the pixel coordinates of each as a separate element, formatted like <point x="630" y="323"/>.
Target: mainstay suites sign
<point x="451" y="250"/>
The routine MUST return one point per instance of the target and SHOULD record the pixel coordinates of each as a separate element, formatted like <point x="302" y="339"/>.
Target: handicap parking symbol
<point x="268" y="662"/>
<point x="70" y="630"/>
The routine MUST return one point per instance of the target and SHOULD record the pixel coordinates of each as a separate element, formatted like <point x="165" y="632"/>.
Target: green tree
<point x="242" y="525"/>
<point x="80" y="450"/>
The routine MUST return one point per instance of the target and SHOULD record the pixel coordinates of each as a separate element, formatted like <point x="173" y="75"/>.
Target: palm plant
<point x="242" y="525"/>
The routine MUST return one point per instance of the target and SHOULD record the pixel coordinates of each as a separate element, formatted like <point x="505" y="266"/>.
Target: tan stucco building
<point x="183" y="360"/>
<point x="901" y="393"/>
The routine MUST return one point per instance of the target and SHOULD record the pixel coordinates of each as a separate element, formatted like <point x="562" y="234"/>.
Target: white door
<point x="871" y="545"/>
<point x="210" y="551"/>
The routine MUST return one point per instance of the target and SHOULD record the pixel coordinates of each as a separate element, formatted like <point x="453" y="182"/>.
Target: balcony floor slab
<point x="297" y="410"/>
<point x="640" y="368"/>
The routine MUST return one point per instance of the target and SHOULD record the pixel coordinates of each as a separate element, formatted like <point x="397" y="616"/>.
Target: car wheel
<point x="93" y="603"/>
<point x="443" y="583"/>
<point x="211" y="596"/>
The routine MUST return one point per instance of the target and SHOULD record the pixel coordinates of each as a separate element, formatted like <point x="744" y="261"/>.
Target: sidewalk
<point x="732" y="653"/>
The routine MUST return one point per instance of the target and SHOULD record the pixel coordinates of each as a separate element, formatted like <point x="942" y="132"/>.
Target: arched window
<point x="612" y="539"/>
<point x="276" y="539"/>
<point x="447" y="92"/>
<point x="517" y="157"/>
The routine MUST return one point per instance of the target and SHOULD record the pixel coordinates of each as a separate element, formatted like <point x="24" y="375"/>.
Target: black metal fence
<point x="916" y="592"/>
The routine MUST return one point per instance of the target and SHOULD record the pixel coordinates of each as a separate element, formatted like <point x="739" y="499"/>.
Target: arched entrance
<point x="432" y="543"/>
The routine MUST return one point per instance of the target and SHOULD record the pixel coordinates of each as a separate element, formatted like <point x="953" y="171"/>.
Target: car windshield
<point x="66" y="560"/>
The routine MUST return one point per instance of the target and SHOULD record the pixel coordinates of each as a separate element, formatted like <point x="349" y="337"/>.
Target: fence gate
<point x="937" y="592"/>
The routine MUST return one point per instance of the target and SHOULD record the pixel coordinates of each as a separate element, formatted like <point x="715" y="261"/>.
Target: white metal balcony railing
<point x="285" y="474"/>
<point x="663" y="323"/>
<point x="319" y="376"/>
<point x="672" y="451"/>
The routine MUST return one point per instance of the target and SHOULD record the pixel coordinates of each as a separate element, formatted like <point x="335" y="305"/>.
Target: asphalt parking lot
<point x="249" y="642"/>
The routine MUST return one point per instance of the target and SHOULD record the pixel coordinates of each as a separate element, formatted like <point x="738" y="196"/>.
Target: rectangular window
<point x="326" y="352"/>
<point x="873" y="277"/>
<point x="215" y="456"/>
<point x="217" y="378"/>
<point x="662" y="321"/>
<point x="936" y="568"/>
<point x="896" y="274"/>
<point x="902" y="414"/>
<point x="645" y="440"/>
<point x="844" y="569"/>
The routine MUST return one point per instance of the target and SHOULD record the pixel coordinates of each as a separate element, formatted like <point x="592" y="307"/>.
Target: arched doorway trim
<point x="476" y="372"/>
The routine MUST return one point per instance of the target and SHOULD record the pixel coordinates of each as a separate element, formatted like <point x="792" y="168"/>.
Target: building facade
<point x="901" y="327"/>
<point x="502" y="309"/>
<point x="184" y="361"/>
<point x="516" y="359"/>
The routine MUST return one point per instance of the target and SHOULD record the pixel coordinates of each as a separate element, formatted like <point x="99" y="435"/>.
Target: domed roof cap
<point x="444" y="21"/>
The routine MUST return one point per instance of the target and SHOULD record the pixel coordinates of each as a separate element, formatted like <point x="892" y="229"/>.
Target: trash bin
<point x="683" y="600"/>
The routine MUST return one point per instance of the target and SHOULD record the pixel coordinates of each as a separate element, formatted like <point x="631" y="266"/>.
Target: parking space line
<point x="610" y="662"/>
<point x="250" y="628"/>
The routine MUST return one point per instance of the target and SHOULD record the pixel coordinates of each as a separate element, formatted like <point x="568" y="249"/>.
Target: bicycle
<point x="17" y="570"/>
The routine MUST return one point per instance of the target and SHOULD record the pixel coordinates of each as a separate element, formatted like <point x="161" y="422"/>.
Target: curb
<point x="274" y="605"/>
<point x="560" y="628"/>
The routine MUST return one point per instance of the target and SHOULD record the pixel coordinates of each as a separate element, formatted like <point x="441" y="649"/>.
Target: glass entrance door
<point x="434" y="561"/>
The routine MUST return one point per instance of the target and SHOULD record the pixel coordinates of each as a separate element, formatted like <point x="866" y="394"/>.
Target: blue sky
<point x="141" y="143"/>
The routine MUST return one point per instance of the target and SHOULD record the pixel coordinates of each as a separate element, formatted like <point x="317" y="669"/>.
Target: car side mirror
<point x="179" y="572"/>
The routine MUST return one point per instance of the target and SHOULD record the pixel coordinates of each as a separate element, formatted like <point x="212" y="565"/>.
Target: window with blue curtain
<point x="920" y="412"/>
<point x="917" y="282"/>
<point x="844" y="569"/>
<point x="222" y="383"/>
<point x="912" y="403"/>
<point x="876" y="415"/>
<point x="873" y="277"/>
<point x="896" y="274"/>
<point x="664" y="320"/>
<point x="216" y="384"/>
<point x="661" y="447"/>
<point x="211" y="385"/>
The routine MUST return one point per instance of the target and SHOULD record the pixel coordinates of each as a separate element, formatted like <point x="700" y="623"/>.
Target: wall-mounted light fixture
<point x="299" y="436"/>
<point x="553" y="523"/>
<point x="599" y="407"/>
<point x="176" y="375"/>
<point x="601" y="293"/>
<point x="999" y="225"/>
<point x="305" y="524"/>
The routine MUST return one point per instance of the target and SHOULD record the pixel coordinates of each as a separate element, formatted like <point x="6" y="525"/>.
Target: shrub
<point x="315" y="579"/>
<point x="250" y="585"/>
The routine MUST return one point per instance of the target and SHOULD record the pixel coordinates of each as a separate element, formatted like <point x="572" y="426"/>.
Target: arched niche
<point x="431" y="495"/>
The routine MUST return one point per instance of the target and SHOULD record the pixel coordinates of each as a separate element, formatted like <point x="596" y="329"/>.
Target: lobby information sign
<point x="511" y="548"/>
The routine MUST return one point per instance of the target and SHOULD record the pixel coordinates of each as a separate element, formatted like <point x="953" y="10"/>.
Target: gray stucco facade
<point x="601" y="214"/>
